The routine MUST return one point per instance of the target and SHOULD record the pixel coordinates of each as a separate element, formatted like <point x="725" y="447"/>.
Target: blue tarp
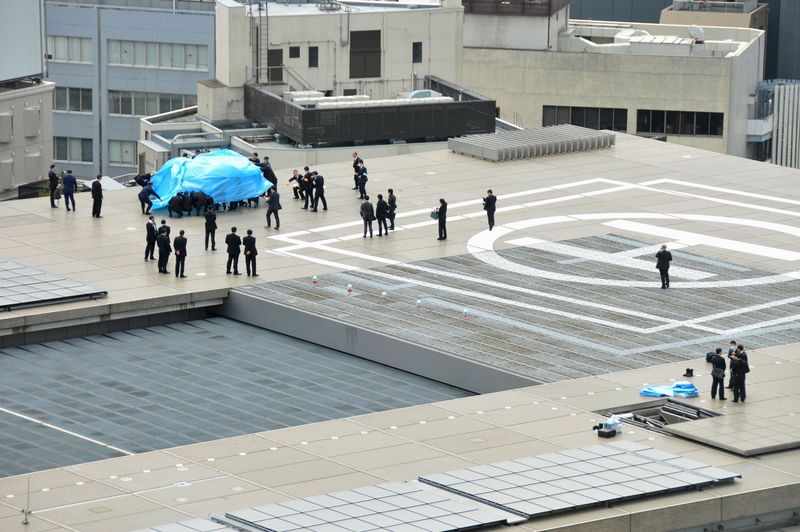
<point x="679" y="389"/>
<point x="223" y="174"/>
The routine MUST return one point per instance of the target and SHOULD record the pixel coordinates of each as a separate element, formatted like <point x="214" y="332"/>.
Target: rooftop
<point x="561" y="219"/>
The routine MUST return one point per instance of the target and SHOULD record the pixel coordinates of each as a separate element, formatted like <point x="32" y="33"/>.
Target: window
<point x="294" y="52"/>
<point x="121" y="152"/>
<point x="73" y="100"/>
<point x="590" y="117"/>
<point x="69" y="49"/>
<point x="679" y="122"/>
<point x="349" y="92"/>
<point x="72" y="149"/>
<point x="158" y="55"/>
<point x="365" y="54"/>
<point x="313" y="56"/>
<point x="416" y="52"/>
<point x="146" y="103"/>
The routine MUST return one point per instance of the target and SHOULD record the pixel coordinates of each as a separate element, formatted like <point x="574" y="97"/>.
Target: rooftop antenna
<point x="27" y="510"/>
<point x="696" y="33"/>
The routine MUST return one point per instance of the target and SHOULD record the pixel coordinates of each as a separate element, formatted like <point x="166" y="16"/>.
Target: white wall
<point x="440" y="31"/>
<point x="26" y="134"/>
<point x="514" y="33"/>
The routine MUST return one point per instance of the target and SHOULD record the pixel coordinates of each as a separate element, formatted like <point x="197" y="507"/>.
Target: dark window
<point x="349" y="92"/>
<point x="679" y="122"/>
<point x="588" y="117"/>
<point x="549" y="115"/>
<point x="673" y="124"/>
<point x="294" y="52"/>
<point x="365" y="54"/>
<point x="313" y="56"/>
<point x="716" y="124"/>
<point x="416" y="52"/>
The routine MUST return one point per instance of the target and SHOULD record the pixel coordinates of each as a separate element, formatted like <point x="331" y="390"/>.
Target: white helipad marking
<point x="607" y="258"/>
<point x="695" y="239"/>
<point x="722" y="189"/>
<point x="481" y="246"/>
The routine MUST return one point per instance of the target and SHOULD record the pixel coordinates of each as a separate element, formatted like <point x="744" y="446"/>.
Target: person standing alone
<point x="97" y="197"/>
<point x="69" y="189"/>
<point x="441" y="215"/>
<point x="490" y="205"/>
<point x="250" y="252"/>
<point x="663" y="258"/>
<point x="180" y="253"/>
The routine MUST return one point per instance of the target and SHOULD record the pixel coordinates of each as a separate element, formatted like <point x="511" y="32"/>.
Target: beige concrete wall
<point x="440" y="31"/>
<point x="747" y="69"/>
<point x="756" y="19"/>
<point x="524" y="81"/>
<point x="26" y="139"/>
<point x="514" y="33"/>
<point x="233" y="55"/>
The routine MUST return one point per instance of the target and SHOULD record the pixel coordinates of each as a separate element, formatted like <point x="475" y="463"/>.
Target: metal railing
<point x="715" y="6"/>
<point x="277" y="75"/>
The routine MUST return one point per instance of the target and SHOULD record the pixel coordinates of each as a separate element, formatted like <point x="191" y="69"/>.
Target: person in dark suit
<point x="717" y="375"/>
<point x="392" y="201"/>
<point x="362" y="181"/>
<point x="297" y="187"/>
<point x="175" y="205"/>
<point x="255" y="160"/>
<point x="269" y="173"/>
<point x="152" y="234"/>
<point x="490" y="205"/>
<point x="357" y="162"/>
<point x="97" y="197"/>
<point x="739" y="369"/>
<point x="731" y="351"/>
<point x="441" y="212"/>
<point x="307" y="183"/>
<point x="164" y="225"/>
<point x="368" y="215"/>
<point x="250" y="253"/>
<point x="663" y="258"/>
<point x="381" y="212"/>
<point x="70" y="184"/>
<point x="273" y="206"/>
<point x="164" y="250"/>
<point x="52" y="177"/>
<point x="234" y="249"/>
<point x="211" y="227"/>
<point x="180" y="253"/>
<point x="144" y="199"/>
<point x="319" y="193"/>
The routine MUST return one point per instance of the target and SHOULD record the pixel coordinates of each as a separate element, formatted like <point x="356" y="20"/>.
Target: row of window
<point x="72" y="99"/>
<point x="590" y="117"/>
<point x="78" y="150"/>
<point x="648" y="121"/>
<point x="69" y="49"/>
<point x="679" y="122"/>
<point x="147" y="103"/>
<point x="130" y="53"/>
<point x="158" y="55"/>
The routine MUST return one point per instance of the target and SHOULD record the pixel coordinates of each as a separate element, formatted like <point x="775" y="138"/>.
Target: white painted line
<point x="649" y="250"/>
<point x="65" y="431"/>
<point x="695" y="239"/>
<point x="607" y="258"/>
<point x="721" y="189"/>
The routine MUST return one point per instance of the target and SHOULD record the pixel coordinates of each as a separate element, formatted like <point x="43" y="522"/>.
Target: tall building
<point x="114" y="62"/>
<point x="26" y="125"/>
<point x="648" y="79"/>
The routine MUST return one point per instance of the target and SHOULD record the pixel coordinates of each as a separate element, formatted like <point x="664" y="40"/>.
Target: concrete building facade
<point x="114" y="62"/>
<point x="645" y="79"/>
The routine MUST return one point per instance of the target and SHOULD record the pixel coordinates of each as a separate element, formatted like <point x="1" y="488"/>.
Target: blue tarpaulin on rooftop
<point x="223" y="174"/>
<point x="679" y="389"/>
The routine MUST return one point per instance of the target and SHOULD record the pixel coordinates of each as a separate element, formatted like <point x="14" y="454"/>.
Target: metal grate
<point x="509" y="145"/>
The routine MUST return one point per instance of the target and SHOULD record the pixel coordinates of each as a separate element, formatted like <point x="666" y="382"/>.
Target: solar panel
<point x="191" y="525"/>
<point x="25" y="286"/>
<point x="395" y="506"/>
<point x="578" y="478"/>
